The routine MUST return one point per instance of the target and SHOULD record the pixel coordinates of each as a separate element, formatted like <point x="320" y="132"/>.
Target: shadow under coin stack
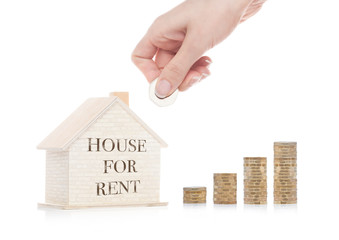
<point x="195" y="195"/>
<point x="285" y="173"/>
<point x="255" y="180"/>
<point x="225" y="188"/>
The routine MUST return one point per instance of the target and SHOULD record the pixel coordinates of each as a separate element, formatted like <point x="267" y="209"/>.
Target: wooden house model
<point x="103" y="154"/>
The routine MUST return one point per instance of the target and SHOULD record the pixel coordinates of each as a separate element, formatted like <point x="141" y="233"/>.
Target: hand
<point x="180" y="37"/>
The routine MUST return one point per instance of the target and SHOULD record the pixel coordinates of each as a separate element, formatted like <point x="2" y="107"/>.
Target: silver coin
<point x="161" y="102"/>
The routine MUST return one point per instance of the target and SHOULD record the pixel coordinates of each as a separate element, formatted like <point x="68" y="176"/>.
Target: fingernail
<point x="203" y="76"/>
<point x="194" y="81"/>
<point x="197" y="79"/>
<point x="209" y="63"/>
<point x="163" y="88"/>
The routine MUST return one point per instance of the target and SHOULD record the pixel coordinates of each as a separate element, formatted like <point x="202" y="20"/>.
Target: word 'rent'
<point x="117" y="187"/>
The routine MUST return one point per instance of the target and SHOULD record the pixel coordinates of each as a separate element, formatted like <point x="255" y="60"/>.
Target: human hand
<point x="178" y="39"/>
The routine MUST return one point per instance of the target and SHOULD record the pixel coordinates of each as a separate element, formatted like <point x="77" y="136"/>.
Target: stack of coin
<point x="255" y="180"/>
<point x="225" y="188"/>
<point x="194" y="194"/>
<point x="285" y="172"/>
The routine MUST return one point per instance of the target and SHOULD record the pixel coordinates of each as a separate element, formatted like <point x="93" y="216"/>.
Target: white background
<point x="274" y="79"/>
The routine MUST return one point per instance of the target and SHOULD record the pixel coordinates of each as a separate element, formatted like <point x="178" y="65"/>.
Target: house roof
<point x="82" y="118"/>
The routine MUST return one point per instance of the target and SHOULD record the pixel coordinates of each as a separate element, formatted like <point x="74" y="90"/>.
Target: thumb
<point x="175" y="71"/>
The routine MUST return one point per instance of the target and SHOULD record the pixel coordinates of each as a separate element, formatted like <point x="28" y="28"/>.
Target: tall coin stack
<point x="195" y="195"/>
<point x="225" y="188"/>
<point x="255" y="180"/>
<point x="285" y="173"/>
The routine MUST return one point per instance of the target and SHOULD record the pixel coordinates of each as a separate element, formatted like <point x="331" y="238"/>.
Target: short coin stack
<point x="285" y="172"/>
<point x="194" y="194"/>
<point x="225" y="188"/>
<point x="255" y="180"/>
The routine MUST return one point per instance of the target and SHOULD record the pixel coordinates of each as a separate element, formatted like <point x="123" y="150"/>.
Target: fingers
<point x="203" y="61"/>
<point x="142" y="57"/>
<point x="163" y="57"/>
<point x="198" y="72"/>
<point x="178" y="67"/>
<point x="252" y="9"/>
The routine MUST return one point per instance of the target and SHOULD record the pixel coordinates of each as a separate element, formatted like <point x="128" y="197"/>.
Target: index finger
<point x="142" y="57"/>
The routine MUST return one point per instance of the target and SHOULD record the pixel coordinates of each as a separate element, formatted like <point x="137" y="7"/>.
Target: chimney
<point x="124" y="96"/>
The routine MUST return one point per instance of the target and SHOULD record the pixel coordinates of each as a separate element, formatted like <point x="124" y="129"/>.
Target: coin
<point x="225" y="188"/>
<point x="255" y="180"/>
<point x="161" y="102"/>
<point x="194" y="195"/>
<point x="285" y="172"/>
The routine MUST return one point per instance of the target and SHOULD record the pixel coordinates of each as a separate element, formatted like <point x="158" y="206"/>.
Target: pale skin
<point x="173" y="47"/>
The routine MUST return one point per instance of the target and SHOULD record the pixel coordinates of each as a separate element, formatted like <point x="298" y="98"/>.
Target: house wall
<point x="87" y="168"/>
<point x="56" y="177"/>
